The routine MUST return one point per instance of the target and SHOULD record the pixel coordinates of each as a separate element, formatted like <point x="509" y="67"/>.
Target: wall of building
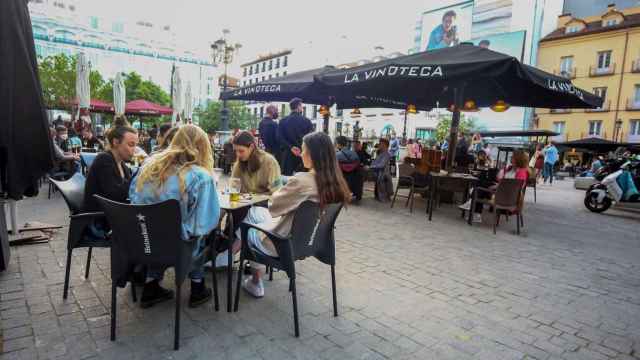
<point x="111" y="48"/>
<point x="621" y="84"/>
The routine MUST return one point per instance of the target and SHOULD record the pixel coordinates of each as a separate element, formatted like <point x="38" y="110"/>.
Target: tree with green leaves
<point x="137" y="88"/>
<point x="58" y="80"/>
<point x="239" y="116"/>
<point x="467" y="125"/>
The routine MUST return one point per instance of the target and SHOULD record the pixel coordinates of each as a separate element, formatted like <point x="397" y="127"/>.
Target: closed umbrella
<point x="188" y="103"/>
<point x="83" y="90"/>
<point x="177" y="96"/>
<point x="119" y="95"/>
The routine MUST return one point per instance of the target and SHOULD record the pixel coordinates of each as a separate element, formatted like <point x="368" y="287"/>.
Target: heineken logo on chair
<point x="145" y="234"/>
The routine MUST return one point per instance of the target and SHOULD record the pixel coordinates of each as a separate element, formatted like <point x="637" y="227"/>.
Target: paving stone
<point x="458" y="293"/>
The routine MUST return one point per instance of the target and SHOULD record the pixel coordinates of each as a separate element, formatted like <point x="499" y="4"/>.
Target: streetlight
<point x="222" y="52"/>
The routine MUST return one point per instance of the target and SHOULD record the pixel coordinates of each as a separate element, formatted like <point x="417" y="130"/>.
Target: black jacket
<point x="292" y="129"/>
<point x="269" y="134"/>
<point x="104" y="180"/>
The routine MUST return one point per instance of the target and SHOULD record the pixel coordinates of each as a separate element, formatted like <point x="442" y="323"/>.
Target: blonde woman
<point x="182" y="172"/>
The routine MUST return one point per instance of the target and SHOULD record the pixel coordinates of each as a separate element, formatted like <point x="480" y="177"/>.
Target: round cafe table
<point x="234" y="211"/>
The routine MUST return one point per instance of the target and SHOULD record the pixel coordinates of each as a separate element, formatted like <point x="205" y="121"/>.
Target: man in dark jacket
<point x="291" y="130"/>
<point x="269" y="131"/>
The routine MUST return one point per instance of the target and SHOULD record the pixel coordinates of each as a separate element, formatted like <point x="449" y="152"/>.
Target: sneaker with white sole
<point x="255" y="290"/>
<point x="466" y="206"/>
<point x="477" y="218"/>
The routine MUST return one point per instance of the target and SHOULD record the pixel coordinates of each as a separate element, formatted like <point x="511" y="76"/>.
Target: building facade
<point x="600" y="54"/>
<point x="114" y="45"/>
<point x="264" y="68"/>
<point x="513" y="27"/>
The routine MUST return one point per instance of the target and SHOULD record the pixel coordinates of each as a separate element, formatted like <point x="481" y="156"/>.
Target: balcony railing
<point x="633" y="138"/>
<point x="635" y="66"/>
<point x="633" y="105"/>
<point x="605" y="107"/>
<point x="567" y="73"/>
<point x="598" y="71"/>
<point x="560" y="111"/>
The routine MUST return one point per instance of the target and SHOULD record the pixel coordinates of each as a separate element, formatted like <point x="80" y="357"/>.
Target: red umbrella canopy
<point x="144" y="107"/>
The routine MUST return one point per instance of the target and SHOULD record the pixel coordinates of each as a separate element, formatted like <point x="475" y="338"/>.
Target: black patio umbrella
<point x="25" y="146"/>
<point x="455" y="78"/>
<point x="24" y="138"/>
<point x="592" y="144"/>
<point x="282" y="89"/>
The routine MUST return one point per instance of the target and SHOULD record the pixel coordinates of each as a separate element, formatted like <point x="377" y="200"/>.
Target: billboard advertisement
<point x="446" y="26"/>
<point x="511" y="43"/>
<point x="491" y="17"/>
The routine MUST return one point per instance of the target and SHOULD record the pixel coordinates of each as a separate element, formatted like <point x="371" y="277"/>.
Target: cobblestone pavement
<point x="567" y="288"/>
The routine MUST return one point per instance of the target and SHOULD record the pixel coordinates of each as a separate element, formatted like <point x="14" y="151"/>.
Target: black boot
<point x="153" y="293"/>
<point x="199" y="293"/>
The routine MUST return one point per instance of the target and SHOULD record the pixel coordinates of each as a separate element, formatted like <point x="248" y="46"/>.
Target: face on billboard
<point x="447" y="26"/>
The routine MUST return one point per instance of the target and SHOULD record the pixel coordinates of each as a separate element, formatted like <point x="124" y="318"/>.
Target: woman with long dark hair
<point x="257" y="170"/>
<point x="323" y="183"/>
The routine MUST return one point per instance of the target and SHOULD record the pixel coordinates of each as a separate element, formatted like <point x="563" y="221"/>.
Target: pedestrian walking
<point x="550" y="159"/>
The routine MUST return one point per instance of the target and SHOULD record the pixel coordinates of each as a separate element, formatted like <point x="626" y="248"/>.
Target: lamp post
<point x="222" y="52"/>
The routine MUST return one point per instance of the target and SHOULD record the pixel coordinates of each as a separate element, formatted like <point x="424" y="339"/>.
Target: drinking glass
<point x="234" y="189"/>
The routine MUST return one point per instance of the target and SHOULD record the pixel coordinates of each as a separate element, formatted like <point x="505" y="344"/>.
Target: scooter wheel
<point x="593" y="206"/>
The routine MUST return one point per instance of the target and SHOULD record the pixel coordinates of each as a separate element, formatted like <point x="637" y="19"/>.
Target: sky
<point x="330" y="31"/>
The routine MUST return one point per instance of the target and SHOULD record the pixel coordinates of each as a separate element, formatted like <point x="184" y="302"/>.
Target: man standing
<point x="445" y="34"/>
<point x="291" y="130"/>
<point x="550" y="159"/>
<point x="268" y="129"/>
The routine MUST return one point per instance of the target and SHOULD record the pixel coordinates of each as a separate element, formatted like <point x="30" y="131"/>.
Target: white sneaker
<point x="255" y="290"/>
<point x="466" y="206"/>
<point x="477" y="218"/>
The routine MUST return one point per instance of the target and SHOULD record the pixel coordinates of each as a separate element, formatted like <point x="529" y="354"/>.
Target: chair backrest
<point x="312" y="232"/>
<point x="508" y="193"/>
<point x="87" y="158"/>
<point x="146" y="235"/>
<point x="405" y="170"/>
<point x="72" y="191"/>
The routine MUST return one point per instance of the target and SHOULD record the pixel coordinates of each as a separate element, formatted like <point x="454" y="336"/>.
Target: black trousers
<point x="355" y="180"/>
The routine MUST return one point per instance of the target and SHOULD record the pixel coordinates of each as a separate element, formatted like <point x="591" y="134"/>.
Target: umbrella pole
<point x="453" y="132"/>
<point x="404" y="130"/>
<point x="325" y="123"/>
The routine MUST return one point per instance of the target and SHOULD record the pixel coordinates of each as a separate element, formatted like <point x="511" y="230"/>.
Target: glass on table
<point x="235" y="186"/>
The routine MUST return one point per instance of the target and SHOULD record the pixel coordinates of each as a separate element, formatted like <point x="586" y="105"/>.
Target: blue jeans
<point x="197" y="268"/>
<point x="547" y="172"/>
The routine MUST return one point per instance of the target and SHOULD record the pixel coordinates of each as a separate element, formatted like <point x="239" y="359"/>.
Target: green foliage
<point x="137" y="88"/>
<point x="467" y="125"/>
<point x="239" y="116"/>
<point x="58" y="80"/>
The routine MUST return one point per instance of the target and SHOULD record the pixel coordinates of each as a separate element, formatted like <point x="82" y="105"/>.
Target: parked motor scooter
<point x="599" y="199"/>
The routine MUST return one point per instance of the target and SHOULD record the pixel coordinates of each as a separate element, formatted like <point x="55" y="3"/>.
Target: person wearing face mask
<point x="62" y="158"/>
<point x="62" y="138"/>
<point x="268" y="129"/>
